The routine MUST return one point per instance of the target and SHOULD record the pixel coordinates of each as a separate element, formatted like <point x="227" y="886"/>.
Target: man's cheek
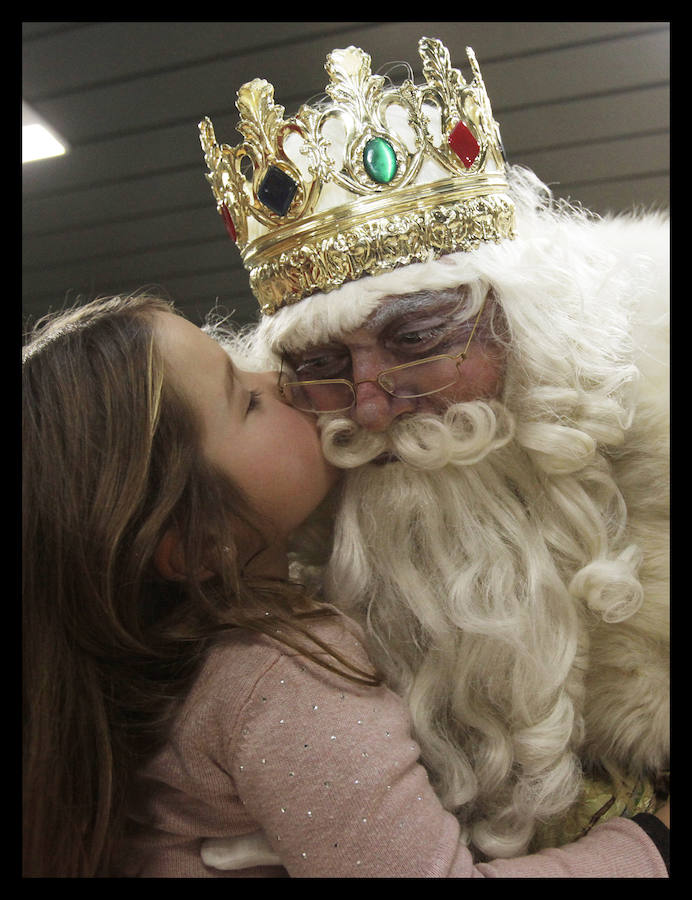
<point x="480" y="378"/>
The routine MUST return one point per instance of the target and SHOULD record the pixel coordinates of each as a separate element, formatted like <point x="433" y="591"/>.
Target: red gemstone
<point x="464" y="144"/>
<point x="228" y="222"/>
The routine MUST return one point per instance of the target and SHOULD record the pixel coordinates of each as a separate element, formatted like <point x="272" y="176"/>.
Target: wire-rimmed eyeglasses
<point x="418" y="378"/>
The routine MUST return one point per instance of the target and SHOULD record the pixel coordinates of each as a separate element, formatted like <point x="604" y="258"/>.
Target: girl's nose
<point x="266" y="381"/>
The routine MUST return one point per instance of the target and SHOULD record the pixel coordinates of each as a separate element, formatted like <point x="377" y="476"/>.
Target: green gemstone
<point x="379" y="160"/>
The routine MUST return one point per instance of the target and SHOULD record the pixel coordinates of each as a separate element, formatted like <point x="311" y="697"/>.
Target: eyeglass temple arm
<point x="475" y="326"/>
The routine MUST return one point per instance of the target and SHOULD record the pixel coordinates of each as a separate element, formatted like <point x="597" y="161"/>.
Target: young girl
<point x="178" y="687"/>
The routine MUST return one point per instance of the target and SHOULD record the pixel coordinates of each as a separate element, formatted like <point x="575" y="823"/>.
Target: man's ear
<point x="169" y="559"/>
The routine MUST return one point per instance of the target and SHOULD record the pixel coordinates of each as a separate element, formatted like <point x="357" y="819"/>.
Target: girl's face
<point x="271" y="451"/>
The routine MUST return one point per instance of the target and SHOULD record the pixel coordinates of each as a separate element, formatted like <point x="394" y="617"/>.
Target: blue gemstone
<point x="277" y="191"/>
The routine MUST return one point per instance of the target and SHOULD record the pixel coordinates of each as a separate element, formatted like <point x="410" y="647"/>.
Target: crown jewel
<point x="375" y="177"/>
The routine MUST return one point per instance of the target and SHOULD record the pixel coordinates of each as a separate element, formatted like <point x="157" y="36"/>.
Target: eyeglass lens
<point x="322" y="396"/>
<point x="420" y="378"/>
<point x="414" y="380"/>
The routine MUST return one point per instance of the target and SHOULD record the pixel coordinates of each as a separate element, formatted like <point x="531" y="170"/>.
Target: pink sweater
<point x="329" y="772"/>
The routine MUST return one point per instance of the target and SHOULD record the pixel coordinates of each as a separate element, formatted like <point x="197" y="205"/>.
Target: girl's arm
<point x="330" y="772"/>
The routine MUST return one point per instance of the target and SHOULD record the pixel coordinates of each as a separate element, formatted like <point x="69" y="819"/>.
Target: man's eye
<point x="417" y="337"/>
<point x="422" y="338"/>
<point x="318" y="367"/>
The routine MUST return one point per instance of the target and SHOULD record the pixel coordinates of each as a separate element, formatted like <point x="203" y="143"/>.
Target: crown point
<point x="464" y="144"/>
<point x="379" y="160"/>
<point x="228" y="222"/>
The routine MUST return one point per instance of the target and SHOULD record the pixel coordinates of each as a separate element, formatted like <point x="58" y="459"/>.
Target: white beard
<point x="471" y="571"/>
<point x="516" y="591"/>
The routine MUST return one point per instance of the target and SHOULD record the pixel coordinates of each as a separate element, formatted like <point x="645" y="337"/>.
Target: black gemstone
<point x="277" y="191"/>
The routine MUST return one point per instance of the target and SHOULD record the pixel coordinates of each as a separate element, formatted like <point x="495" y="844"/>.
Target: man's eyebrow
<point x="399" y="306"/>
<point x="326" y="347"/>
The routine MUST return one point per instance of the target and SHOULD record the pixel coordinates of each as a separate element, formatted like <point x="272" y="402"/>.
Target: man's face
<point x="406" y="329"/>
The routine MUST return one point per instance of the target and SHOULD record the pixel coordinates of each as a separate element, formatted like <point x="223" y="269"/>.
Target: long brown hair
<point x="111" y="462"/>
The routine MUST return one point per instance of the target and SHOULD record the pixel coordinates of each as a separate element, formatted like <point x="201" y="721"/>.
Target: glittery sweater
<point x="269" y="741"/>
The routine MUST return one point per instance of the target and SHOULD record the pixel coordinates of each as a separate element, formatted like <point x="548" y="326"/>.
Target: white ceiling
<point x="584" y="104"/>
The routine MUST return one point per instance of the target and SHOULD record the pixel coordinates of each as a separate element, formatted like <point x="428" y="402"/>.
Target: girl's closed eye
<point x="254" y="401"/>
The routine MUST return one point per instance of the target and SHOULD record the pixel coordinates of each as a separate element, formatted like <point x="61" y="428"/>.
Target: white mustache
<point x="463" y="435"/>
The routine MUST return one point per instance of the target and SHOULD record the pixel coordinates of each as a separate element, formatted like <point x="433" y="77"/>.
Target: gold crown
<point x="374" y="178"/>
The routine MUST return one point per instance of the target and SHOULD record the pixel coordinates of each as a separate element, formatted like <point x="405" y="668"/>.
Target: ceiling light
<point x="39" y="140"/>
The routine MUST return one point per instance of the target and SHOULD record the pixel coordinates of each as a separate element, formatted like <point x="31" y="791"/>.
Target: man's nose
<point x="375" y="409"/>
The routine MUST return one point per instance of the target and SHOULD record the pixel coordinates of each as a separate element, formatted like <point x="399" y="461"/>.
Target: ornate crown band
<point x="379" y="177"/>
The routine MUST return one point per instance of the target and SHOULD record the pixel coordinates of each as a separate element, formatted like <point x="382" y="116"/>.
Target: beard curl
<point x="463" y="435"/>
